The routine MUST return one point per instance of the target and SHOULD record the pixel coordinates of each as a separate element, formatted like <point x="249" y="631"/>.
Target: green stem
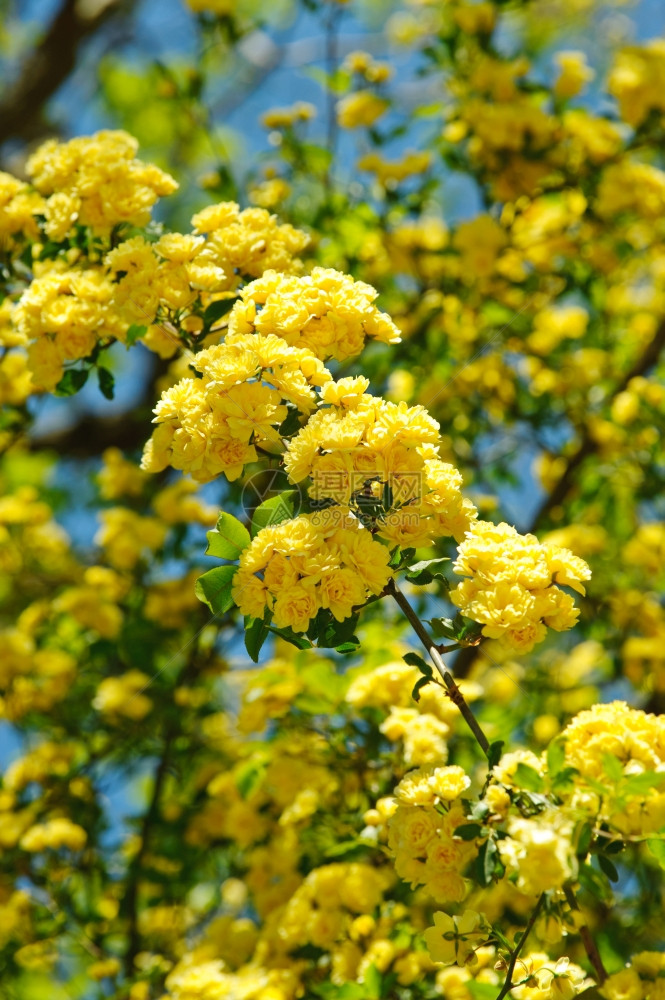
<point x="515" y="953"/>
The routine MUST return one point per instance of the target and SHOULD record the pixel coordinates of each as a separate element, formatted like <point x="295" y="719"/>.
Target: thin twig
<point x="130" y="901"/>
<point x="587" y="940"/>
<point x="514" y="955"/>
<point x="454" y="692"/>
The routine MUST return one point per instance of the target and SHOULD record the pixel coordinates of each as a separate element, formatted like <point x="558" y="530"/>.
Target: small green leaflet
<point x="214" y="588"/>
<point x="414" y="660"/>
<point x="426" y="570"/>
<point x="228" y="539"/>
<point x="256" y="632"/>
<point x="275" y="510"/>
<point x="216" y="310"/>
<point x="657" y="848"/>
<point x="134" y="333"/>
<point x="556" y="757"/>
<point x="106" y="382"/>
<point x="528" y="778"/>
<point x="72" y="381"/>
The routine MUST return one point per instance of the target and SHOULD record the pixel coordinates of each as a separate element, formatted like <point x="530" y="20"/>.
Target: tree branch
<point x="514" y="955"/>
<point x="588" y="446"/>
<point x="49" y="64"/>
<point x="130" y="901"/>
<point x="454" y="692"/>
<point x="587" y="940"/>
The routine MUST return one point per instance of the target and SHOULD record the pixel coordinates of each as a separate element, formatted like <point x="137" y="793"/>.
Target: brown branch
<point x="514" y="955"/>
<point x="49" y="64"/>
<point x="587" y="940"/>
<point x="130" y="900"/>
<point x="454" y="692"/>
<point x="588" y="446"/>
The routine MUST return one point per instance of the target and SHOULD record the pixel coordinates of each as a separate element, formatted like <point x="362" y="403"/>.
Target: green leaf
<point x="295" y="638"/>
<point x="612" y="767"/>
<point x="494" y="753"/>
<point x="214" y="588"/>
<point x="372" y="983"/>
<point x="228" y="539"/>
<point x="418" y="686"/>
<point x="528" y="778"/>
<point x="345" y="848"/>
<point x="481" y="991"/>
<point x="608" y="868"/>
<point x="216" y="310"/>
<point x="640" y="784"/>
<point x="493" y="867"/>
<point x="249" y="777"/>
<point x="584" y="838"/>
<point x="345" y="648"/>
<point x="106" y="382"/>
<point x="275" y="510"/>
<point x="564" y="780"/>
<point x="72" y="381"/>
<point x="291" y="423"/>
<point x="657" y="848"/>
<point x="468" y="831"/>
<point x="594" y="883"/>
<point x="443" y="628"/>
<point x="331" y="633"/>
<point x="134" y="333"/>
<point x="426" y="570"/>
<point x="256" y="633"/>
<point x="556" y="757"/>
<point x="414" y="660"/>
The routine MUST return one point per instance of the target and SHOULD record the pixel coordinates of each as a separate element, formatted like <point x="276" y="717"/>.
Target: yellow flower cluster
<point x="169" y="274"/>
<point x="360" y="109"/>
<point x="54" y="834"/>
<point x="422" y="831"/>
<point x="637" y="740"/>
<point x="325" y="311"/>
<point x="180" y="273"/>
<point x="123" y="697"/>
<point x="287" y="117"/>
<point x="359" y="438"/>
<point x="512" y="587"/>
<point x="391" y="172"/>
<point x="96" y="181"/>
<point x="307" y="563"/>
<point x="629" y="186"/>
<point x="63" y="313"/>
<point x="126" y="536"/>
<point x="454" y="940"/>
<point x="249" y="242"/>
<point x="539" y="852"/>
<point x="322" y="908"/>
<point x="637" y="80"/>
<point x="94" y="603"/>
<point x="18" y="207"/>
<point x="15" y="379"/>
<point x="31" y="679"/>
<point x="211" y="425"/>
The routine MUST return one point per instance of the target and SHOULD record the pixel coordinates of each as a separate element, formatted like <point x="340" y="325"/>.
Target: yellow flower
<point x="360" y="109"/>
<point x="453" y="940"/>
<point x="624" y="985"/>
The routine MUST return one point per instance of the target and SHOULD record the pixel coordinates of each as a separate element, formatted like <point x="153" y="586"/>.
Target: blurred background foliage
<point x="508" y="206"/>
